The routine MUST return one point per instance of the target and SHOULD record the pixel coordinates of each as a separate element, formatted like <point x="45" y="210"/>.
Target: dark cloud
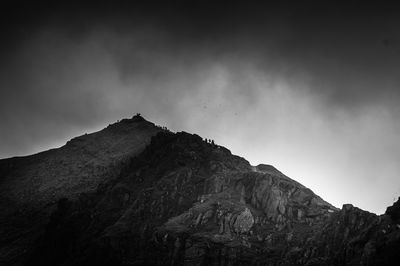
<point x="312" y="88"/>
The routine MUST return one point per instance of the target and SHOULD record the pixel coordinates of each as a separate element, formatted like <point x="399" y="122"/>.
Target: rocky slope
<point x="31" y="186"/>
<point x="184" y="201"/>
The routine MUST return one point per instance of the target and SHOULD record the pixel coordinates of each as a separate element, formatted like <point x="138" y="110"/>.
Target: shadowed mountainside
<point x="30" y="186"/>
<point x="184" y="201"/>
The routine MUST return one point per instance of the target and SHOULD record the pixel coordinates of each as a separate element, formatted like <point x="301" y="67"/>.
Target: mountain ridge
<point x="184" y="201"/>
<point x="177" y="199"/>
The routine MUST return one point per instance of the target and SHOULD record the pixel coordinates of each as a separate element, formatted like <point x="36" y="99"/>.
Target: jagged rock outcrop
<point x="394" y="211"/>
<point x="353" y="237"/>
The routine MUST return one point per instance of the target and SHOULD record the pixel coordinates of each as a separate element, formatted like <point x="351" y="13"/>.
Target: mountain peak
<point x="137" y="193"/>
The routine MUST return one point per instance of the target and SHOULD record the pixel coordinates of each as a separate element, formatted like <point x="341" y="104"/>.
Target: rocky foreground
<point x="185" y="201"/>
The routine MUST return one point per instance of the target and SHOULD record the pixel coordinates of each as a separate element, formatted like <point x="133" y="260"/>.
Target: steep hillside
<point x="176" y="199"/>
<point x="184" y="201"/>
<point x="30" y="186"/>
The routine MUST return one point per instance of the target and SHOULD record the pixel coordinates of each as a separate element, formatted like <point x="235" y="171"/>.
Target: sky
<point x="311" y="88"/>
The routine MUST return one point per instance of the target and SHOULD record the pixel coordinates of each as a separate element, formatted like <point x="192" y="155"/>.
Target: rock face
<point x="31" y="186"/>
<point x="184" y="201"/>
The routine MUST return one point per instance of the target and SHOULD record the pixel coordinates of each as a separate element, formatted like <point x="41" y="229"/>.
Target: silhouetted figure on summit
<point x="138" y="118"/>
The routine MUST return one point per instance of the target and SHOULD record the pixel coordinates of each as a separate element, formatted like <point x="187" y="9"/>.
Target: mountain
<point x="176" y="199"/>
<point x="30" y="186"/>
